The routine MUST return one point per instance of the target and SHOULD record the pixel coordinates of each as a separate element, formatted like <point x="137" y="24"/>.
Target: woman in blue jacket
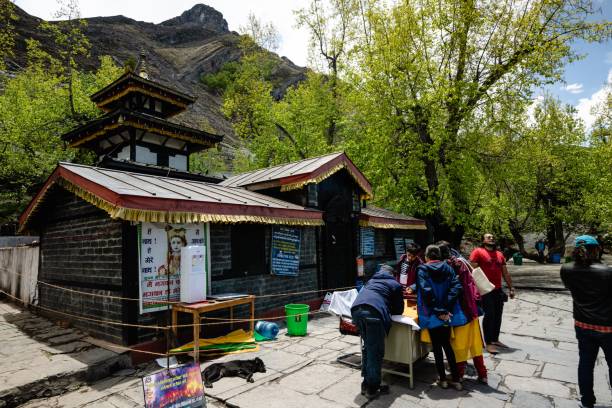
<point x="438" y="290"/>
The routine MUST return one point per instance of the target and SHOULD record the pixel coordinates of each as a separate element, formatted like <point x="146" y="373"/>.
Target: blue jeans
<point x="372" y="332"/>
<point x="589" y="342"/>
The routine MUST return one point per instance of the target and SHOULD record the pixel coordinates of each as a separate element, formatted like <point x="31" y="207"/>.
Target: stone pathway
<point x="539" y="371"/>
<point x="40" y="359"/>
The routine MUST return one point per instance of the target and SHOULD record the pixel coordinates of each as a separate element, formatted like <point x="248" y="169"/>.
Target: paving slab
<point x="560" y="373"/>
<point x="272" y="395"/>
<point x="526" y="399"/>
<point x="537" y="385"/>
<point x="315" y="378"/>
<point x="44" y="360"/>
<point x="516" y="368"/>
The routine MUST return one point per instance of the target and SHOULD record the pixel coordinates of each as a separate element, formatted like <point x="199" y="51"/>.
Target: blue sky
<point x="585" y="79"/>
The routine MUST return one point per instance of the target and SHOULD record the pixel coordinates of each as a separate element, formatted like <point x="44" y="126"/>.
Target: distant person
<point x="406" y="269"/>
<point x="380" y="298"/>
<point x="493" y="264"/>
<point x="467" y="341"/>
<point x="540" y="246"/>
<point x="590" y="284"/>
<point x="438" y="291"/>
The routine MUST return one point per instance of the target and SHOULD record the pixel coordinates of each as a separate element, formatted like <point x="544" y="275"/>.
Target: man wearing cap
<point x="381" y="297"/>
<point x="590" y="283"/>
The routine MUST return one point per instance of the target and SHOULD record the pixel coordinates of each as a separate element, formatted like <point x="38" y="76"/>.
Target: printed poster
<point x="285" y="246"/>
<point x="160" y="261"/>
<point x="175" y="387"/>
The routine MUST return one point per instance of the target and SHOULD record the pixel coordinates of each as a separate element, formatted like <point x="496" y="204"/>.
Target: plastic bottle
<point x="267" y="329"/>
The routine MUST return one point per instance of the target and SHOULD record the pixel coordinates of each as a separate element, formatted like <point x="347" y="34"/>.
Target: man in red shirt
<point x="493" y="264"/>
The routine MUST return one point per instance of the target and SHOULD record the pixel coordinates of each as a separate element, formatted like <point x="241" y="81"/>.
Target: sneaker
<point x="456" y="385"/>
<point x="442" y="384"/>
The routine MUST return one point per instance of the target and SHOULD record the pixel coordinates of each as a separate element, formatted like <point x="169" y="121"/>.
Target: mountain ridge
<point x="179" y="51"/>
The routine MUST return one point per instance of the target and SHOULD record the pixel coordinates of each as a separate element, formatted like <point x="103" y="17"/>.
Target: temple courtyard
<point x="538" y="371"/>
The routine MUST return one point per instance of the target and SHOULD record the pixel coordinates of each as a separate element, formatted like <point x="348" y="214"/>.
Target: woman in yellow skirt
<point x="467" y="339"/>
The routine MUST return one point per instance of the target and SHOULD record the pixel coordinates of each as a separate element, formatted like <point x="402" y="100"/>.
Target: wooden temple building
<point x="109" y="233"/>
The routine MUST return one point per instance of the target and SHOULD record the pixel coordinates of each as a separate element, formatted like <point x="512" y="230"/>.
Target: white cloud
<point x="574" y="88"/>
<point x="585" y="105"/>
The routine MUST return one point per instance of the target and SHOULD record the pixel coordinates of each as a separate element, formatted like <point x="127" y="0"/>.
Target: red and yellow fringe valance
<point x="179" y="217"/>
<point x="319" y="178"/>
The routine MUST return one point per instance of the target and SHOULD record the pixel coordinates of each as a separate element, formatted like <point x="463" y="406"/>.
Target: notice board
<point x="285" y="251"/>
<point x="367" y="241"/>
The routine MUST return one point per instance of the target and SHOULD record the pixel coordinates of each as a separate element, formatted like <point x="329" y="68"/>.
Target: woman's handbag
<point x="482" y="282"/>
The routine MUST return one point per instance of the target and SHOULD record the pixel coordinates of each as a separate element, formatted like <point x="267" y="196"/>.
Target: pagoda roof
<point x="121" y="119"/>
<point x="381" y="218"/>
<point x="106" y="98"/>
<point x="295" y="175"/>
<point x="148" y="198"/>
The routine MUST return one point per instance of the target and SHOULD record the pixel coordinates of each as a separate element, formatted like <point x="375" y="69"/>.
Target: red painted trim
<point x="343" y="158"/>
<point x="50" y="180"/>
<point x="165" y="204"/>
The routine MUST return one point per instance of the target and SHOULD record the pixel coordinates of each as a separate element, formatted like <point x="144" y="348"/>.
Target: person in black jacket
<point x="590" y="284"/>
<point x="380" y="298"/>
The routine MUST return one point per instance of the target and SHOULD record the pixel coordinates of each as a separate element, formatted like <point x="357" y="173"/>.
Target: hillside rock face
<point x="179" y="51"/>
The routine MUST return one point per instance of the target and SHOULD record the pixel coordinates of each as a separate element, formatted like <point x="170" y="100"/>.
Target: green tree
<point x="548" y="180"/>
<point x="7" y="37"/>
<point x="428" y="74"/>
<point x="332" y="31"/>
<point x="70" y="41"/>
<point x="35" y="110"/>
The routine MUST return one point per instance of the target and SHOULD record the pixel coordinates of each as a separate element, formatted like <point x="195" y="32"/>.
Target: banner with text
<point x="160" y="260"/>
<point x="285" y="248"/>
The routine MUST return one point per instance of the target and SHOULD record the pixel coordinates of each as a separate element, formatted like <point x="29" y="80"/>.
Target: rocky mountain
<point x="179" y="51"/>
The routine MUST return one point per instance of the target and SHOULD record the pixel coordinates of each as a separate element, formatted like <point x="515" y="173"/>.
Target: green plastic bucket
<point x="297" y="319"/>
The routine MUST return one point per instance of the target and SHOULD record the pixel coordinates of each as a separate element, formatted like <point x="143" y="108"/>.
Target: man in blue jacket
<point x="380" y="298"/>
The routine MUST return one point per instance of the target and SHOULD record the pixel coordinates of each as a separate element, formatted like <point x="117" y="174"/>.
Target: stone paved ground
<point x="539" y="371"/>
<point x="39" y="358"/>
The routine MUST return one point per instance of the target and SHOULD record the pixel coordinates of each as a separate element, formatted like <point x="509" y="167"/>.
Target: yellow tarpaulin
<point x="236" y="341"/>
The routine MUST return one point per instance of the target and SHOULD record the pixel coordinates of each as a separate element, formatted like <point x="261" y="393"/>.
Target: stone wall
<point x="221" y="259"/>
<point x="81" y="249"/>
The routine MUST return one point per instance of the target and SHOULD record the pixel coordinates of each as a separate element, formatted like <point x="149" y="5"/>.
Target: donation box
<point x="193" y="273"/>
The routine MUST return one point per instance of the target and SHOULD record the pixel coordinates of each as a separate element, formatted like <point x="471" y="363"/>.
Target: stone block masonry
<point x="221" y="259"/>
<point x="81" y="248"/>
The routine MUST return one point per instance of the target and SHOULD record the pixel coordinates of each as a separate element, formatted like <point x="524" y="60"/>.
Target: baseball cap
<point x="585" y="240"/>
